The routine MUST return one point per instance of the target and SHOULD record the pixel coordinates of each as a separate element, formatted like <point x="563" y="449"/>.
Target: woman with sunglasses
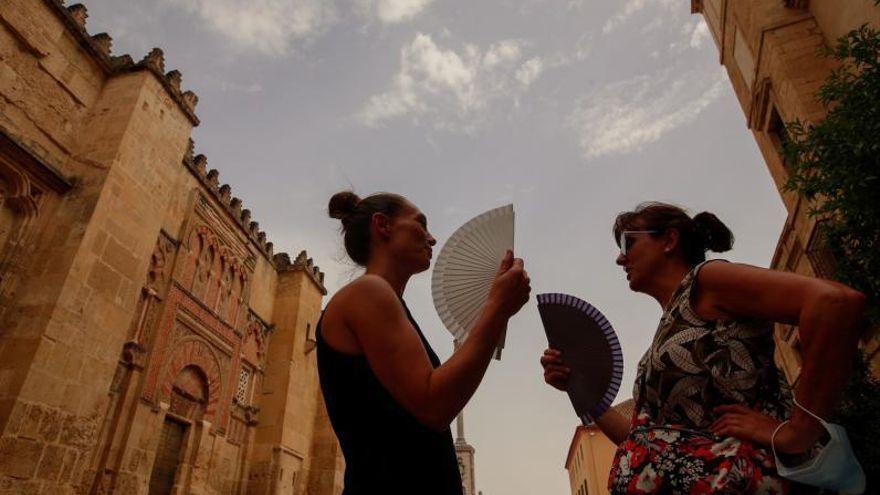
<point x="709" y="397"/>
<point x="389" y="399"/>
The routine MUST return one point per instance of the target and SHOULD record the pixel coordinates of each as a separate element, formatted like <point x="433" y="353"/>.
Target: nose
<point x="431" y="240"/>
<point x="621" y="259"/>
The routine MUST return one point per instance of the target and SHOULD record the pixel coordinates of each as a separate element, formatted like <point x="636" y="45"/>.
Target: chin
<point x="633" y="285"/>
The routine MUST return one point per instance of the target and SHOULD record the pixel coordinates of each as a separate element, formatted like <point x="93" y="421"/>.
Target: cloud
<point x="529" y="71"/>
<point x="700" y="34"/>
<point x="624" y="116"/>
<point x="452" y="88"/>
<point x="271" y="27"/>
<point x="632" y="7"/>
<point x="395" y="11"/>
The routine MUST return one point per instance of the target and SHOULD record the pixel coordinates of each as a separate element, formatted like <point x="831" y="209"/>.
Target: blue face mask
<point x="835" y="467"/>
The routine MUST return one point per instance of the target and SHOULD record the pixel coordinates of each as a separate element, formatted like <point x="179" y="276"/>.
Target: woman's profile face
<point x="409" y="239"/>
<point x="644" y="255"/>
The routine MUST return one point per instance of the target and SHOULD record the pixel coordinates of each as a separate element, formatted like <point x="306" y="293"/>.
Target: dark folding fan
<point x="589" y="348"/>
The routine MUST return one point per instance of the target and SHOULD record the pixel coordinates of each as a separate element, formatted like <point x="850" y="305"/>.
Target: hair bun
<point x="716" y="236"/>
<point x="343" y="204"/>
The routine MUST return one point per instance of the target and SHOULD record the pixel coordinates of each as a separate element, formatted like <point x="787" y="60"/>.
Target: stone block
<point x="51" y="463"/>
<point x="68" y="464"/>
<point x="11" y="486"/>
<point x="104" y="279"/>
<point x="50" y="426"/>
<point x="30" y="427"/>
<point x="16" y="418"/>
<point x="19" y="457"/>
<point x="77" y="431"/>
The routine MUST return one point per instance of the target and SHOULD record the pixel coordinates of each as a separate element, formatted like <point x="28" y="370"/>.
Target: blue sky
<point x="572" y="110"/>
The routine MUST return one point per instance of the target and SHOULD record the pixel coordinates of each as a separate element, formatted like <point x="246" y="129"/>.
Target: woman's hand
<point x="555" y="372"/>
<point x="747" y="424"/>
<point x="511" y="288"/>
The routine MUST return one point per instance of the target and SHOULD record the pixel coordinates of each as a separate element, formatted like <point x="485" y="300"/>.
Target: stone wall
<point x="771" y="52"/>
<point x="134" y="289"/>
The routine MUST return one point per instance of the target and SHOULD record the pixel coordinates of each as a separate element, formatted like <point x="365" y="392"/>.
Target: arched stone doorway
<point x="189" y="399"/>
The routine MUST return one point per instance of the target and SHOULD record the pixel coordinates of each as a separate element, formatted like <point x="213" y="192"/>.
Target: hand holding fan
<point x="589" y="348"/>
<point x="466" y="268"/>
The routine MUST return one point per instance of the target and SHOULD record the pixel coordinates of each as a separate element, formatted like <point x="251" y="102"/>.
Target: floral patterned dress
<point x="692" y="367"/>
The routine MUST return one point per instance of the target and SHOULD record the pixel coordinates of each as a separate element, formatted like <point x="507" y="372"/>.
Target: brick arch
<point x="196" y="353"/>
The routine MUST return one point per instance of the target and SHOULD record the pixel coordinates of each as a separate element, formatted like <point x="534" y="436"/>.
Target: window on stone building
<point x="777" y="132"/>
<point x="241" y="393"/>
<point x="794" y="256"/>
<point x="819" y="254"/>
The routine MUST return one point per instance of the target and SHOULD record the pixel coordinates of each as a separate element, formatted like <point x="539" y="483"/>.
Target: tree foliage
<point x="835" y="165"/>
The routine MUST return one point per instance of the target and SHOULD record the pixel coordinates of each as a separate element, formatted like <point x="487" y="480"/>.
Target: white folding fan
<point x="466" y="267"/>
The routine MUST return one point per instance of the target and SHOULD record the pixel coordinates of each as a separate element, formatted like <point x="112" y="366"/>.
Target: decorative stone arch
<point x="194" y="353"/>
<point x="18" y="192"/>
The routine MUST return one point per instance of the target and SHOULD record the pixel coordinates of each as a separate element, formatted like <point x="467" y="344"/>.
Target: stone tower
<point x="464" y="452"/>
<point x="151" y="341"/>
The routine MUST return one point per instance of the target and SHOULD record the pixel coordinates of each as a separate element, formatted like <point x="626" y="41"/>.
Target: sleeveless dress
<point x="692" y="367"/>
<point x="386" y="450"/>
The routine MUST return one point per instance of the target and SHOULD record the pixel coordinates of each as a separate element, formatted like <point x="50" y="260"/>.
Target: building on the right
<point x="771" y="50"/>
<point x="591" y="454"/>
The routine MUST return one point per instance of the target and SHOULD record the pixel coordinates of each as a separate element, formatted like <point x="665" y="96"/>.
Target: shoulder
<point x="719" y="273"/>
<point x="367" y="292"/>
<point x="367" y="287"/>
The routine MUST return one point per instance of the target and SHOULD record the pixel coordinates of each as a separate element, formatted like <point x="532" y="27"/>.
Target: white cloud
<point x="271" y="27"/>
<point x="394" y="11"/>
<point x="452" y="88"/>
<point x="623" y="117"/>
<point x="529" y="71"/>
<point x="632" y="7"/>
<point x="700" y="34"/>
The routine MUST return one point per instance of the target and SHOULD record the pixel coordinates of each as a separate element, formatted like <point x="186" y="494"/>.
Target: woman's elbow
<point x="850" y="305"/>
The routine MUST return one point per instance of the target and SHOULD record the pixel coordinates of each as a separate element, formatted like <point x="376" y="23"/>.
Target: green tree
<point x="835" y="165"/>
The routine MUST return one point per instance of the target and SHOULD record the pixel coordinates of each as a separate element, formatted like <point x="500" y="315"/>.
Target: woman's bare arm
<point x="830" y="317"/>
<point x="396" y="355"/>
<point x="614" y="425"/>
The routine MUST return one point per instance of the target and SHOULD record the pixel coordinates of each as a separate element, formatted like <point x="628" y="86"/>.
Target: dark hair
<point x="704" y="232"/>
<point x="356" y="215"/>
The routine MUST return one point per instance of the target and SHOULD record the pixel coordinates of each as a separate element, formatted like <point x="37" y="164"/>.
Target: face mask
<point x="834" y="468"/>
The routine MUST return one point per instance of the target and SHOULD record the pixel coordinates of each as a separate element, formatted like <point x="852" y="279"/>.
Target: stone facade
<point x="150" y="339"/>
<point x="590" y="455"/>
<point x="770" y="49"/>
<point x="464" y="453"/>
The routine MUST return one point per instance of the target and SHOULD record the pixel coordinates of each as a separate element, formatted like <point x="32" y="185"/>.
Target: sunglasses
<point x="623" y="234"/>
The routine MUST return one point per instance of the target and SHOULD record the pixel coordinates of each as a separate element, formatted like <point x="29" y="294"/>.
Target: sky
<point x="572" y="110"/>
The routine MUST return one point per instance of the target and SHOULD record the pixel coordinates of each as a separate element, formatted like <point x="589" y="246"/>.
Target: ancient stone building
<point x="150" y="339"/>
<point x="770" y="49"/>
<point x="591" y="454"/>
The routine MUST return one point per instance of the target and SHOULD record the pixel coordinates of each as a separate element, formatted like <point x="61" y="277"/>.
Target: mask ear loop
<point x="773" y="436"/>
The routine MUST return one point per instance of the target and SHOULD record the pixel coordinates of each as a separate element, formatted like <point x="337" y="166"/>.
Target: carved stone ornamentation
<point x="155" y="60"/>
<point x="79" y="13"/>
<point x="104" y="42"/>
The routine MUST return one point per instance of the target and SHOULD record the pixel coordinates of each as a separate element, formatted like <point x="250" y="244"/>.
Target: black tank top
<point x="387" y="451"/>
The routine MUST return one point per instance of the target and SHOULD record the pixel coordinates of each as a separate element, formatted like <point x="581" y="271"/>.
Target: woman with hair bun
<point x="708" y="396"/>
<point x="389" y="399"/>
